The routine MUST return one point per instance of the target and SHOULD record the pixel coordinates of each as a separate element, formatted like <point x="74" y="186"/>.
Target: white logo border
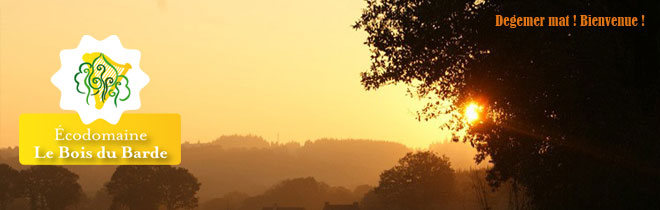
<point x="71" y="59"/>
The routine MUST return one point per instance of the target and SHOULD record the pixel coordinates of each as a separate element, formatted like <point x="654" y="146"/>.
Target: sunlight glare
<point x="472" y="111"/>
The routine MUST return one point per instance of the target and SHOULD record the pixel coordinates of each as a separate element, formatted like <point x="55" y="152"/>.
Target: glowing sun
<point x="472" y="111"/>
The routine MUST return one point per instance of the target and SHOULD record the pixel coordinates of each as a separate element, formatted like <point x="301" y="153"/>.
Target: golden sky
<point x="228" y="67"/>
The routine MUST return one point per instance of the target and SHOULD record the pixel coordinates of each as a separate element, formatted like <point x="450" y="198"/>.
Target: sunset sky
<point x="228" y="67"/>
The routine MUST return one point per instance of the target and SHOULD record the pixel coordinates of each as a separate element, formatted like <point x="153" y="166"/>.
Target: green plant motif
<point x="102" y="79"/>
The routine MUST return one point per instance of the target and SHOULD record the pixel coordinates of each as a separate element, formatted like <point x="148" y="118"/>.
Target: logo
<point x="103" y="78"/>
<point x="100" y="79"/>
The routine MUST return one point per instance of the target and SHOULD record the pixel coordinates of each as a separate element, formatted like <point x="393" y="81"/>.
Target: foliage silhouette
<point x="10" y="185"/>
<point x="421" y="181"/>
<point x="149" y="187"/>
<point x="51" y="187"/>
<point x="179" y="188"/>
<point x="572" y="112"/>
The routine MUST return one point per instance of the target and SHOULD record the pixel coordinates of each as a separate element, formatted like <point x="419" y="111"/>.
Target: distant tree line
<point x="131" y="187"/>
<point x="420" y="181"/>
<point x="258" y="164"/>
<point x="46" y="187"/>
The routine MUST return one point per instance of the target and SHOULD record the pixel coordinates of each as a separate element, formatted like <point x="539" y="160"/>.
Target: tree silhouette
<point x="51" y="187"/>
<point x="420" y="181"/>
<point x="571" y="112"/>
<point x="10" y="185"/>
<point x="179" y="188"/>
<point x="134" y="187"/>
<point x="149" y="187"/>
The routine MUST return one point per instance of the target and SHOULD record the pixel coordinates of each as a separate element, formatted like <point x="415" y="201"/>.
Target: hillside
<point x="250" y="164"/>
